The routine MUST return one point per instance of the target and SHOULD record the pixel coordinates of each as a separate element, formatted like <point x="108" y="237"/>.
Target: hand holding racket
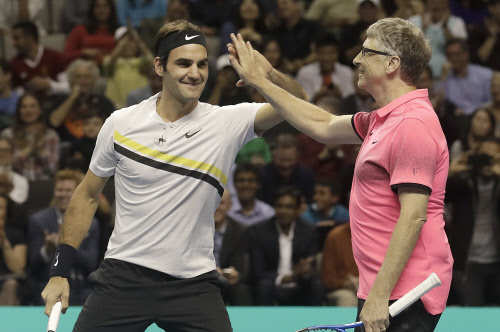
<point x="395" y="308"/>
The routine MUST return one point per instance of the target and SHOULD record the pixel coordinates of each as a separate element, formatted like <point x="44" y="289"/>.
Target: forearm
<point x="57" y="117"/>
<point x="78" y="218"/>
<point x="403" y="241"/>
<point x="485" y="50"/>
<point x="15" y="257"/>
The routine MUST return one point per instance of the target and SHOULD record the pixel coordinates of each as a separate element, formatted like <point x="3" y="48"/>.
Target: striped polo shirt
<point x="169" y="179"/>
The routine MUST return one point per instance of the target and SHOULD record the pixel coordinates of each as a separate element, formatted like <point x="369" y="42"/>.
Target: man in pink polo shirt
<point x="396" y="206"/>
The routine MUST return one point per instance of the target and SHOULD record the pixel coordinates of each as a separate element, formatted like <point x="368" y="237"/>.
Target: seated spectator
<point x="135" y="11"/>
<point x="439" y="26"/>
<point x="468" y="85"/>
<point x="94" y="39"/>
<point x="248" y="19"/>
<point x="123" y="66"/>
<point x="230" y="251"/>
<point x="35" y="67"/>
<point x="285" y="170"/>
<point x="224" y="92"/>
<point x="20" y="185"/>
<point x="247" y="209"/>
<point x="481" y="126"/>
<point x="352" y="35"/>
<point x="451" y="121"/>
<point x="36" y="146"/>
<point x="327" y="75"/>
<point x="359" y="101"/>
<point x="332" y="14"/>
<point x="66" y="117"/>
<point x="283" y="251"/>
<point x="271" y="50"/>
<point x="295" y="34"/>
<point x="154" y="86"/>
<point x="13" y="253"/>
<point x="8" y="96"/>
<point x="73" y="14"/>
<point x="43" y="236"/>
<point x="474" y="193"/>
<point x="326" y="210"/>
<point x="339" y="272"/>
<point x="484" y="38"/>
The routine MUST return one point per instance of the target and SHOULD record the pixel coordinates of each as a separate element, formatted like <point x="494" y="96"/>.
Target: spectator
<point x="224" y="92"/>
<point x="283" y="251"/>
<point x="295" y="34"/>
<point x="439" y="26"/>
<point x="153" y="87"/>
<point x="339" y="272"/>
<point x="123" y="66"/>
<point x="21" y="11"/>
<point x="326" y="210"/>
<point x="83" y="147"/>
<point x="353" y="35"/>
<point x="247" y="209"/>
<point x="20" y="185"/>
<point x="406" y="9"/>
<point x="468" y="85"/>
<point x="481" y="126"/>
<point x="248" y="19"/>
<point x="74" y="13"/>
<point x="271" y="50"/>
<point x="135" y="11"/>
<point x="43" y="239"/>
<point x="8" y="96"/>
<point x="451" y="121"/>
<point x="66" y="117"/>
<point x="359" y="101"/>
<point x="285" y="170"/>
<point x="484" y="39"/>
<point x="13" y="253"/>
<point x="326" y="75"/>
<point x="36" y="146"/>
<point x="35" y="67"/>
<point x="474" y="193"/>
<point x="231" y="255"/>
<point x="332" y="14"/>
<point x="94" y="39"/>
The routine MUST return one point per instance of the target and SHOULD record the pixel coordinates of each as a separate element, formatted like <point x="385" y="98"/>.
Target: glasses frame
<point x="365" y="50"/>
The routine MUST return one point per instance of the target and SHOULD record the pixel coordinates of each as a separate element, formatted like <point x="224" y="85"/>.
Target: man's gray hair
<point x="91" y="65"/>
<point x="400" y="37"/>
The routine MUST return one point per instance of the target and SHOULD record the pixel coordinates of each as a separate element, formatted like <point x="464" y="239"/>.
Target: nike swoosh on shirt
<point x="190" y="37"/>
<point x="187" y="135"/>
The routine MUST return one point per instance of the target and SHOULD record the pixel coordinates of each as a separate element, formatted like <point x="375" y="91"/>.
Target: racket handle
<point x="416" y="293"/>
<point x="55" y="313"/>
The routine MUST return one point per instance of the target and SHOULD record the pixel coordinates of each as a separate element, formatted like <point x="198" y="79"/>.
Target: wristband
<point x="63" y="261"/>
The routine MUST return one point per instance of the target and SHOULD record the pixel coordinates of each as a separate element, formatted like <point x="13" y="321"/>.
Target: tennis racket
<point x="55" y="313"/>
<point x="401" y="304"/>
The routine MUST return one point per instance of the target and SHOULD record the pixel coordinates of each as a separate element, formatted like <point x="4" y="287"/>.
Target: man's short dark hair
<point x="326" y="39"/>
<point x="332" y="186"/>
<point x="460" y="41"/>
<point x="288" y="191"/>
<point x="29" y="29"/>
<point x="246" y="168"/>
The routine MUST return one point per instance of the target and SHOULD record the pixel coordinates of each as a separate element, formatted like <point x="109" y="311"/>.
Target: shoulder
<point x="488" y="72"/>
<point x="309" y="69"/>
<point x="42" y="216"/>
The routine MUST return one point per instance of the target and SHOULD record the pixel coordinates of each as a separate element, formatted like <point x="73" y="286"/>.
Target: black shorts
<point x="413" y="319"/>
<point x="129" y="298"/>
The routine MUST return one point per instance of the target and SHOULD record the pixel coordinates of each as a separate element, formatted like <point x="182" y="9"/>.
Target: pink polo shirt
<point x="402" y="143"/>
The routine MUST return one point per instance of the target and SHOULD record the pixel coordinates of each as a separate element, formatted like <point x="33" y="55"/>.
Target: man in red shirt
<point x="397" y="198"/>
<point x="35" y="67"/>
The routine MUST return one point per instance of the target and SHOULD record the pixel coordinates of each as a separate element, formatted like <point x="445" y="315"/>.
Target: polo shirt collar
<point x="384" y="111"/>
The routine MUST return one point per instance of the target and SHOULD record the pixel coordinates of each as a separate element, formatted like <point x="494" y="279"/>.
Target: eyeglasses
<point x="365" y="50"/>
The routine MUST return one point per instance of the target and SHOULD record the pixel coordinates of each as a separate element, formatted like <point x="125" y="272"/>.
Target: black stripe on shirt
<point x="170" y="168"/>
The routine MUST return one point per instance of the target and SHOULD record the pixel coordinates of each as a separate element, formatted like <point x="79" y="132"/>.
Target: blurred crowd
<point x="282" y="229"/>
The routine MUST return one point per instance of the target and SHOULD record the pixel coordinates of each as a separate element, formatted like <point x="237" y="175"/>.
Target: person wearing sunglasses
<point x="397" y="196"/>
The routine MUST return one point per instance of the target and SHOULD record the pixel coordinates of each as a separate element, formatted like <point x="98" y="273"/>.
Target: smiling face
<point x="29" y="110"/>
<point x="371" y="66"/>
<point x="249" y="10"/>
<point x="63" y="189"/>
<point x="186" y="73"/>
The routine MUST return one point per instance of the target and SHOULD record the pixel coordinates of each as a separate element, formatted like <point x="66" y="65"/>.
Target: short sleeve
<point x="104" y="159"/>
<point x="413" y="155"/>
<point x="239" y="120"/>
<point x="361" y="123"/>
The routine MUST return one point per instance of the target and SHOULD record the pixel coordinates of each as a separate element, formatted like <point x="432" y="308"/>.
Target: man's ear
<point x="394" y="63"/>
<point x="158" y="66"/>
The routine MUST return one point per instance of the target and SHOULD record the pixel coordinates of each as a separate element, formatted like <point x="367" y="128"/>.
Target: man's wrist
<point x="63" y="261"/>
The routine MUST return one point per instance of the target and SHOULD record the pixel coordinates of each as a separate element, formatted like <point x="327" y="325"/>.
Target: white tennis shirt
<point x="169" y="178"/>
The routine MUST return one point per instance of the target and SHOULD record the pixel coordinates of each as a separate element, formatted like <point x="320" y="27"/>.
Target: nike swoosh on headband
<point x="190" y="37"/>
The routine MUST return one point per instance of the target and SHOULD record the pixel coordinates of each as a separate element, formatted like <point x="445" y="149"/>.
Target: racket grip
<point x="55" y="313"/>
<point x="416" y="293"/>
